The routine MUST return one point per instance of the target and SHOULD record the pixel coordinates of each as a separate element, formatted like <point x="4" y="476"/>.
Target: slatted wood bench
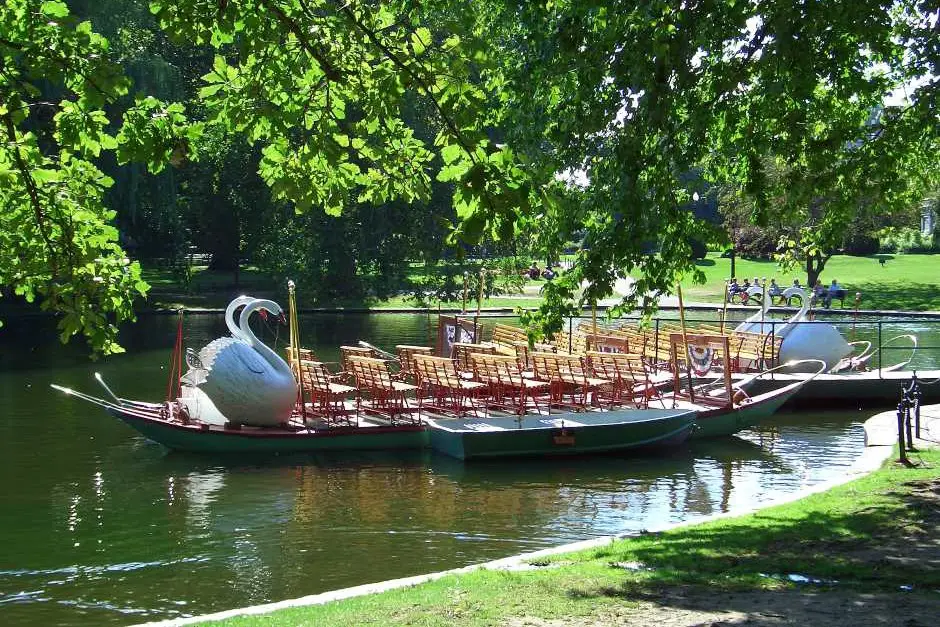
<point x="305" y="354"/>
<point x="632" y="382"/>
<point x="328" y="398"/>
<point x="506" y="334"/>
<point x="346" y="371"/>
<point x="443" y="387"/>
<point x="569" y="374"/>
<point x="461" y="351"/>
<point x="607" y="342"/>
<point x="406" y="354"/>
<point x="754" y="351"/>
<point x="508" y="387"/>
<point x="387" y="397"/>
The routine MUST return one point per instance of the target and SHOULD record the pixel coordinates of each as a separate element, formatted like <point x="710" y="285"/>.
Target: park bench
<point x="567" y="374"/>
<point x="387" y="397"/>
<point x="509" y="387"/>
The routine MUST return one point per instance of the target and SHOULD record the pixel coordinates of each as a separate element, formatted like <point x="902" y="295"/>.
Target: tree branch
<point x="332" y="72"/>
<point x="30" y="190"/>
<point x="372" y="37"/>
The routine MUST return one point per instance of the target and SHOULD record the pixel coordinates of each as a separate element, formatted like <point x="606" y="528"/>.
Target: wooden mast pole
<point x="466" y="281"/>
<point x="476" y="319"/>
<point x="685" y="341"/>
<point x="295" y="345"/>
<point x="724" y="308"/>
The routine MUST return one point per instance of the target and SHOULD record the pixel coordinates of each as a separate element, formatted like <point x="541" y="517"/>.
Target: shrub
<point x="861" y="245"/>
<point x="753" y="242"/>
<point x="905" y="240"/>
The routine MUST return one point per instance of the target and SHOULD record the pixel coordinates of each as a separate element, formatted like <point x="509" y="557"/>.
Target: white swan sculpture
<point x="754" y="322"/>
<point x="246" y="382"/>
<point x="801" y="340"/>
<point x="198" y="405"/>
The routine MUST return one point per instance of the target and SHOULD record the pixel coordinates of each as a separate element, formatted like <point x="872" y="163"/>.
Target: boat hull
<point x="560" y="434"/>
<point x="221" y="440"/>
<point x="725" y="421"/>
<point x="869" y="389"/>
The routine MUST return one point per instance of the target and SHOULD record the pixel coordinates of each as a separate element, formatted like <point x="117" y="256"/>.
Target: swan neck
<point x="804" y="307"/>
<point x="249" y="336"/>
<point x="230" y="315"/>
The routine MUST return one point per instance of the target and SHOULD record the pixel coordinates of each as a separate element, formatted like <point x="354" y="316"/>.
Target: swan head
<point x="794" y="291"/>
<point x="264" y="305"/>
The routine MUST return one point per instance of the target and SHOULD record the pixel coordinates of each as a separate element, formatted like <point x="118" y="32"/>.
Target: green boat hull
<point x="560" y="434"/>
<point x="247" y="440"/>
<point x="725" y="421"/>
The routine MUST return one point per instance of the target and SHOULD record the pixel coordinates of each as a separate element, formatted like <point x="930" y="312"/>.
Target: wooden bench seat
<point x="328" y="398"/>
<point x="568" y="374"/>
<point x="443" y="389"/>
<point x="507" y="385"/>
<point x="387" y="397"/>
<point x="406" y="354"/>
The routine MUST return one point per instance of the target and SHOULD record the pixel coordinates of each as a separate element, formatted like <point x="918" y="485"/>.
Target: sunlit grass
<point x="903" y="282"/>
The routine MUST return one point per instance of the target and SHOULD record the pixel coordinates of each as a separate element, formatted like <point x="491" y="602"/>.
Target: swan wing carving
<point x="211" y="351"/>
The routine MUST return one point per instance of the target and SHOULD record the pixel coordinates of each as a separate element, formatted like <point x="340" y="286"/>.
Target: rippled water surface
<point x="99" y="526"/>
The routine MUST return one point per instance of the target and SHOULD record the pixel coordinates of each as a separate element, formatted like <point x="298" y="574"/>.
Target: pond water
<point x="99" y="526"/>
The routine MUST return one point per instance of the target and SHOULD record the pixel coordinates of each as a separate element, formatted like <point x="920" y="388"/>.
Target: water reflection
<point x="100" y="526"/>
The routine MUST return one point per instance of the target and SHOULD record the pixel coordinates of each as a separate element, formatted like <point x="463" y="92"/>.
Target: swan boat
<point x="239" y="397"/>
<point x="552" y="435"/>
<point x="727" y="405"/>
<point x="848" y="376"/>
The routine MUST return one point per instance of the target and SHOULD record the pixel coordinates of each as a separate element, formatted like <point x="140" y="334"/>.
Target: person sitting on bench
<point x="836" y="291"/>
<point x="819" y="294"/>
<point x="774" y="291"/>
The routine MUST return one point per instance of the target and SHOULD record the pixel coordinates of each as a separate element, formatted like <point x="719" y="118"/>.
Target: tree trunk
<point x="814" y="267"/>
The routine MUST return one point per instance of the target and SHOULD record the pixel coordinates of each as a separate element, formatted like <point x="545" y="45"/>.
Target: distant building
<point x="928" y="219"/>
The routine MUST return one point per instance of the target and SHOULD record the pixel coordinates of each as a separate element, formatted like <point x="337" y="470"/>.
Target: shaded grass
<point x="497" y="301"/>
<point x="206" y="288"/>
<point x="214" y="289"/>
<point x="848" y="534"/>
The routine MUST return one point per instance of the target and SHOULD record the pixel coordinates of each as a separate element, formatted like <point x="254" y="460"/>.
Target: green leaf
<point x="450" y="153"/>
<point x="54" y="8"/>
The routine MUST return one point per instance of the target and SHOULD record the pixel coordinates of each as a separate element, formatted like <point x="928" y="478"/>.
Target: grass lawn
<point x="904" y="282"/>
<point x="874" y="536"/>
<point x="497" y="301"/>
<point x="212" y="289"/>
<point x="207" y="288"/>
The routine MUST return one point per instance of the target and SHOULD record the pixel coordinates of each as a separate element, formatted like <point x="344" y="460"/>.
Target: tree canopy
<point x="567" y="119"/>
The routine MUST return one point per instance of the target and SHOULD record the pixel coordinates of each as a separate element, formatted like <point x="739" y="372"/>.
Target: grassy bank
<point x="204" y="288"/>
<point x="903" y="282"/>
<point x="876" y="536"/>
